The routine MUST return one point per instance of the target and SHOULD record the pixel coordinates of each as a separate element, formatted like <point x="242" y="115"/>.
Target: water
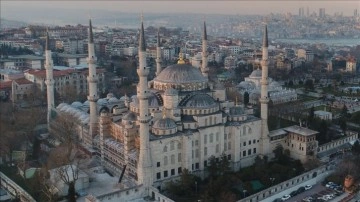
<point x="329" y="42"/>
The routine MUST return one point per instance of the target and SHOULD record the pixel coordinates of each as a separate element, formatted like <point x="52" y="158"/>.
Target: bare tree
<point x="65" y="158"/>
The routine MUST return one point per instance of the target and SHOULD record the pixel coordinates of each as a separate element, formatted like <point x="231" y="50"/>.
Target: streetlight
<point x="244" y="191"/>
<point x="196" y="187"/>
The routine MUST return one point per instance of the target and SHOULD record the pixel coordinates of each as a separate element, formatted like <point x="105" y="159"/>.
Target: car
<point x="307" y="187"/>
<point x="308" y="199"/>
<point x="277" y="200"/>
<point x="285" y="197"/>
<point x="329" y="184"/>
<point x="300" y="190"/>
<point x="81" y="193"/>
<point x="293" y="193"/>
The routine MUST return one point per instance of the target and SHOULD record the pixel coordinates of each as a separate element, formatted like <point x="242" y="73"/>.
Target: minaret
<point x="204" y="68"/>
<point x="264" y="100"/>
<point x="49" y="78"/>
<point x="144" y="169"/>
<point x="92" y="82"/>
<point x="158" y="55"/>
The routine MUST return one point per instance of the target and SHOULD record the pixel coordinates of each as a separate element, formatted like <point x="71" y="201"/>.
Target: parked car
<point x="293" y="193"/>
<point x="329" y="184"/>
<point x="278" y="200"/>
<point x="300" y="190"/>
<point x="307" y="187"/>
<point x="285" y="197"/>
<point x="308" y="199"/>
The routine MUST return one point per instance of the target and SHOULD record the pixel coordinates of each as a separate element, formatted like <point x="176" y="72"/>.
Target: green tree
<point x="356" y="148"/>
<point x="246" y="98"/>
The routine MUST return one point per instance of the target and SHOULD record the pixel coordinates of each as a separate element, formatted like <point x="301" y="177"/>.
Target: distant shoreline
<point x="329" y="42"/>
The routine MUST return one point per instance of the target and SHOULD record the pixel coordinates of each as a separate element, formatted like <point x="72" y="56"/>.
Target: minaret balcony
<point x="91" y="60"/>
<point x="48" y="66"/>
<point x="264" y="100"/>
<point x="143" y="71"/>
<point x="92" y="98"/>
<point x="266" y="82"/>
<point x="264" y="62"/>
<point x="49" y="82"/>
<point x="144" y="120"/>
<point x="92" y="79"/>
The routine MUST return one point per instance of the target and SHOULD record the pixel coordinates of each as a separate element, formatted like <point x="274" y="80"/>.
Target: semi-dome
<point x="164" y="124"/>
<point x="236" y="111"/>
<point x="130" y="116"/>
<point x="153" y="100"/>
<point x="200" y="101"/>
<point x="255" y="73"/>
<point x="180" y="74"/>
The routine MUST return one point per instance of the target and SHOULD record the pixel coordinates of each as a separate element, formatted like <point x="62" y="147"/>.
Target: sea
<point x="328" y="42"/>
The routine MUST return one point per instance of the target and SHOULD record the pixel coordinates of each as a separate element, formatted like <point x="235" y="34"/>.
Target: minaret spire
<point x="91" y="37"/>
<point x="49" y="78"/>
<point x="204" y="68"/>
<point x="264" y="100"/>
<point x="92" y="83"/>
<point x="158" y="54"/>
<point x="144" y="168"/>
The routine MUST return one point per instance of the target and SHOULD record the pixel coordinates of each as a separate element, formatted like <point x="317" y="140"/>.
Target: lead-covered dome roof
<point x="164" y="124"/>
<point x="256" y="73"/>
<point x="200" y="101"/>
<point x="180" y="73"/>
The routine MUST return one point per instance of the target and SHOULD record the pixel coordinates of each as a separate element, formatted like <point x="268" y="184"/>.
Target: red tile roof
<point x="5" y="85"/>
<point x="23" y="81"/>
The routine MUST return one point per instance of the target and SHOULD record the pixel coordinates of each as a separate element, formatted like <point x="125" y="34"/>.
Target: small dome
<point x="200" y="101"/>
<point x="113" y="100"/>
<point x="122" y="98"/>
<point x="109" y="95"/>
<point x="246" y="85"/>
<point x="164" y="124"/>
<point x="236" y="111"/>
<point x="171" y="91"/>
<point x="130" y="116"/>
<point x="256" y="73"/>
<point x="102" y="101"/>
<point x="87" y="103"/>
<point x="61" y="105"/>
<point x="77" y="104"/>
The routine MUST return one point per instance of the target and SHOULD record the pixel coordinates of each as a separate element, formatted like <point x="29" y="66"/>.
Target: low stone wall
<point x="15" y="189"/>
<point x="157" y="196"/>
<point x="350" y="136"/>
<point x="123" y="195"/>
<point x="285" y="185"/>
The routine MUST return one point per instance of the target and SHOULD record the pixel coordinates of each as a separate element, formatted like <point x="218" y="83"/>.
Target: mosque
<point x="177" y="121"/>
<point x="277" y="94"/>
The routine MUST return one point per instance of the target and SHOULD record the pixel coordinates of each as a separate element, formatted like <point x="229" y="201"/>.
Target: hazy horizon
<point x="10" y="9"/>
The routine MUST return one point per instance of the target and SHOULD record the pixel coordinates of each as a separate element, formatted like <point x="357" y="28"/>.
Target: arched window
<point x="179" y="146"/>
<point x="165" y="149"/>
<point x="211" y="120"/>
<point x="171" y="146"/>
<point x="172" y="159"/>
<point x="165" y="160"/>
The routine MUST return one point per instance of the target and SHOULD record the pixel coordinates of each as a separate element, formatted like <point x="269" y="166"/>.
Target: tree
<point x="309" y="84"/>
<point x="311" y="114"/>
<point x="65" y="158"/>
<point x="356" y="147"/>
<point x="246" y="98"/>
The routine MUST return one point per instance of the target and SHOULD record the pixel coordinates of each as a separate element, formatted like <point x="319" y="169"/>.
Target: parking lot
<point x="318" y="193"/>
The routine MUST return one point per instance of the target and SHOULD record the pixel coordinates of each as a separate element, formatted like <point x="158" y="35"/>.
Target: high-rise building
<point x="322" y="12"/>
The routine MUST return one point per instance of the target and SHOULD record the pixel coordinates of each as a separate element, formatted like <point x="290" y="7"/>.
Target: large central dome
<point x="180" y="73"/>
<point x="182" y="77"/>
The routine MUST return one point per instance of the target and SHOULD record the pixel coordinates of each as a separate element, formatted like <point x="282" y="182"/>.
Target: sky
<point x="176" y="6"/>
